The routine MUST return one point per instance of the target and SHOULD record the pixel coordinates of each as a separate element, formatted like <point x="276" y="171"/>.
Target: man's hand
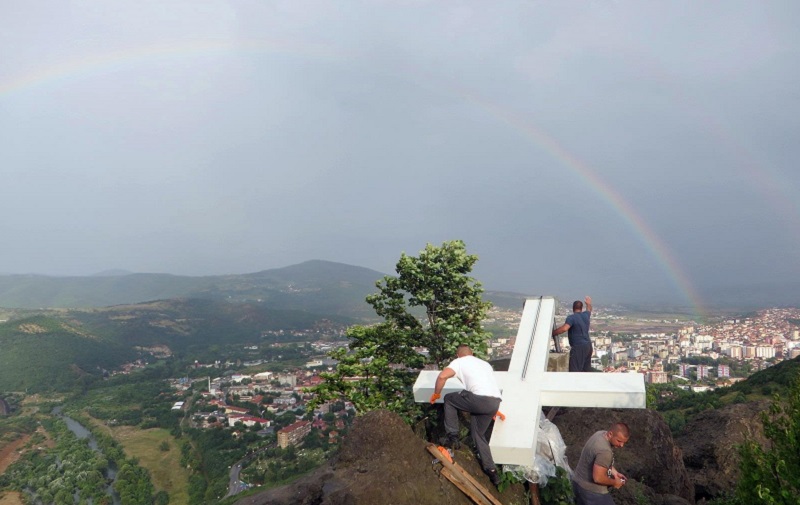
<point x="588" y="301"/>
<point x="619" y="479"/>
<point x="434" y="397"/>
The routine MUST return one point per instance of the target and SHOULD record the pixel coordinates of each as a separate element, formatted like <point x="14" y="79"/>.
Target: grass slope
<point x="164" y="466"/>
<point x="44" y="353"/>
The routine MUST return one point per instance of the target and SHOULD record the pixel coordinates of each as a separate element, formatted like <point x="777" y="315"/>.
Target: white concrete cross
<point x="527" y="386"/>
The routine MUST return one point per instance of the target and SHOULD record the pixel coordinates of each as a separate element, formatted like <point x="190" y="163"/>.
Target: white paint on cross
<point x="527" y="386"/>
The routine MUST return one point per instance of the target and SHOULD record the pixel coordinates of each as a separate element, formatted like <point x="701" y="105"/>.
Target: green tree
<point x="676" y="421"/>
<point x="437" y="281"/>
<point x="771" y="475"/>
<point x="432" y="303"/>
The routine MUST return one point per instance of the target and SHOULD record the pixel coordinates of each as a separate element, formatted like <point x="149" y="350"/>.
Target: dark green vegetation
<point x="678" y="406"/>
<point x="558" y="490"/>
<point x="143" y="400"/>
<point x="46" y="353"/>
<point x="385" y="356"/>
<point x="13" y="428"/>
<point x="192" y="324"/>
<point x="770" y="474"/>
<point x="274" y="466"/>
<point x="66" y="350"/>
<point x="52" y="476"/>
<point x="71" y="467"/>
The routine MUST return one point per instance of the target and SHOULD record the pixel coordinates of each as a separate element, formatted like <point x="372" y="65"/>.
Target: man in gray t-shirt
<point x="595" y="470"/>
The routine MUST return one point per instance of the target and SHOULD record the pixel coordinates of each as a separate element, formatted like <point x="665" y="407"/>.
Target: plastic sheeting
<point x="551" y="451"/>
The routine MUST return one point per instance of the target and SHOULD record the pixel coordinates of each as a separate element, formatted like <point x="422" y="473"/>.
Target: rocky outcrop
<point x="651" y="457"/>
<point x="381" y="461"/>
<point x="710" y="440"/>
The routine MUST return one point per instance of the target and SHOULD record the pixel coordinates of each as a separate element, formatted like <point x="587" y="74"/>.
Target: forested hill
<point x="56" y="349"/>
<point x="320" y="287"/>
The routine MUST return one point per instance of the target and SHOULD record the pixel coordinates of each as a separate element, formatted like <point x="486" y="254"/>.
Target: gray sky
<point x="621" y="149"/>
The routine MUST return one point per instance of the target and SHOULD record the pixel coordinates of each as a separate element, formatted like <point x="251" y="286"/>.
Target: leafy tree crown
<point x="432" y="303"/>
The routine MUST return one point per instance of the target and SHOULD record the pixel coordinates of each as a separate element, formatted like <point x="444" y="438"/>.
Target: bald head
<point x="463" y="350"/>
<point x="618" y="434"/>
<point x="620" y="429"/>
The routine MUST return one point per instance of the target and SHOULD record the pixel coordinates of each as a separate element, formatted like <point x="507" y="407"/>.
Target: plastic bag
<point x="551" y="451"/>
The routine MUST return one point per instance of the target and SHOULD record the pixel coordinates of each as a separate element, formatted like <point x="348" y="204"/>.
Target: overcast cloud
<point x="622" y="149"/>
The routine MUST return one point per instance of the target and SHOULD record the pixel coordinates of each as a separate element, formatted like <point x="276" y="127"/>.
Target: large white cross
<point x="527" y="386"/>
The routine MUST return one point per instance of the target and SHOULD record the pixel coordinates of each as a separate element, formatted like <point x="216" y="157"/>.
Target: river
<point x="80" y="431"/>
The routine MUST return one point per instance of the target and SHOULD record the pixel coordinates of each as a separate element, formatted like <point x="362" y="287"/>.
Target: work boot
<point x="450" y="441"/>
<point x="494" y="476"/>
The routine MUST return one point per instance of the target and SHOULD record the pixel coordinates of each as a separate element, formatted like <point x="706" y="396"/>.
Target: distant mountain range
<point x="53" y="330"/>
<point x="321" y="287"/>
<point x="317" y="286"/>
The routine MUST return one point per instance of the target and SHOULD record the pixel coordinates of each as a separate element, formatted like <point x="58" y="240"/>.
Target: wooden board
<point x="463" y="480"/>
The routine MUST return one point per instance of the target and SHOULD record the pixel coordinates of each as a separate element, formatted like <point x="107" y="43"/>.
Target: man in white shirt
<point x="480" y="397"/>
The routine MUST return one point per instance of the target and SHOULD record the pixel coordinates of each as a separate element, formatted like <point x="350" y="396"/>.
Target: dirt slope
<point x="381" y="462"/>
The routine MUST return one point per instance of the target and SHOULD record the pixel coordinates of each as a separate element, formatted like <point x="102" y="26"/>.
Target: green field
<point x="165" y="468"/>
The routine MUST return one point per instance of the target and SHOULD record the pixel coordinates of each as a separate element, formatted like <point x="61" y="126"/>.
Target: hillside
<point x="321" y="287"/>
<point x="40" y="353"/>
<point x="315" y="286"/>
<point x="54" y="349"/>
<point x="182" y="324"/>
<point x="103" y="319"/>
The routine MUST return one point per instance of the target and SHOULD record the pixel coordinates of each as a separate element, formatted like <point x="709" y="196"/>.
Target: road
<point x="236" y="486"/>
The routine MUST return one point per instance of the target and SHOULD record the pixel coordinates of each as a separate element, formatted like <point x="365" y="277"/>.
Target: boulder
<point x="710" y="443"/>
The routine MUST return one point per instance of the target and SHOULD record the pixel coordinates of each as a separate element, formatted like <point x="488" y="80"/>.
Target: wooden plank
<point x="466" y="477"/>
<point x="463" y="485"/>
<point x="477" y="484"/>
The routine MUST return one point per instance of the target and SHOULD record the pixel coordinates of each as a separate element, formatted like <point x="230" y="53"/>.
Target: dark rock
<point x="709" y="442"/>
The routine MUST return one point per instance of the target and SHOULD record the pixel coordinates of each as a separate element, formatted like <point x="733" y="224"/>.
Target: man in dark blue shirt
<point x="577" y="324"/>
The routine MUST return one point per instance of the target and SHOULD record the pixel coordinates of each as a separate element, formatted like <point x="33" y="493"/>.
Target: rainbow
<point x="612" y="197"/>
<point x="118" y="59"/>
<point x="775" y="190"/>
<point x="109" y="61"/>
